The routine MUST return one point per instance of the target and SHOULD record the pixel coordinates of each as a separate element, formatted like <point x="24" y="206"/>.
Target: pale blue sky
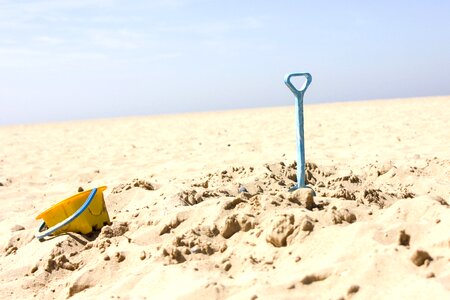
<point x="79" y="59"/>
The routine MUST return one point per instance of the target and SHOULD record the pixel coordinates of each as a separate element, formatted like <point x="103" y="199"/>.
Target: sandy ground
<point x="378" y="227"/>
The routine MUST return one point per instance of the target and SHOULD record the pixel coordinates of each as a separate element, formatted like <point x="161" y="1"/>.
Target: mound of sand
<point x="200" y="206"/>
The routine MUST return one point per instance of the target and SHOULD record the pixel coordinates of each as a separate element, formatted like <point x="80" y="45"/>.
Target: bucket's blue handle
<point x="301" y="163"/>
<point x="41" y="234"/>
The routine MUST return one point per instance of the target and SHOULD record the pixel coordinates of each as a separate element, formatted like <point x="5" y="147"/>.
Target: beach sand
<point x="378" y="227"/>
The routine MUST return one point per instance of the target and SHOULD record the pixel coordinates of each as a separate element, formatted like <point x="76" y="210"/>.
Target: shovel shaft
<point x="301" y="164"/>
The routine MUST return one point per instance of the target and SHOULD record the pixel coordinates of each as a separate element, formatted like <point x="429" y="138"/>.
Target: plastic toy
<point x="81" y="213"/>
<point x="301" y="164"/>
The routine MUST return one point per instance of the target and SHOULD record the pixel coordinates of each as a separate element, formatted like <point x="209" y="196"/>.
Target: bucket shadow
<point x="80" y="238"/>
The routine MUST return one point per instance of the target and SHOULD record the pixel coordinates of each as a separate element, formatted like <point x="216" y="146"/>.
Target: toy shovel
<point x="301" y="164"/>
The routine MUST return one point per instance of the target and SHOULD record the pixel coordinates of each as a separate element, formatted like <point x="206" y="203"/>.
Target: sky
<point x="85" y="59"/>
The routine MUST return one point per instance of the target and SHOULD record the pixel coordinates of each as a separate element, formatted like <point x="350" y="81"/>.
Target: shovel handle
<point x="301" y="91"/>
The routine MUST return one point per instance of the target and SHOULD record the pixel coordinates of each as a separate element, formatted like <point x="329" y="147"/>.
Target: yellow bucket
<point x="81" y="213"/>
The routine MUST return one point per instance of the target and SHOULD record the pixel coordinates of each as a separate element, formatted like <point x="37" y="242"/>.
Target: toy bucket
<point x="81" y="213"/>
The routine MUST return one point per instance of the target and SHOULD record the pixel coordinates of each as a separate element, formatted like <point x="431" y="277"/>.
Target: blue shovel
<point x="301" y="164"/>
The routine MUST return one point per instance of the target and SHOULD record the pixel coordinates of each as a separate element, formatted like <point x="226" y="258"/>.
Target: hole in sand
<point x="308" y="279"/>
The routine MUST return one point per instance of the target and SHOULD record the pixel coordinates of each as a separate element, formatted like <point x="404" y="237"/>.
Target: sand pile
<point x="206" y="226"/>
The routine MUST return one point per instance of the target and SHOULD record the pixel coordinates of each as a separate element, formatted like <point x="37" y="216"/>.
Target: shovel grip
<point x="294" y="90"/>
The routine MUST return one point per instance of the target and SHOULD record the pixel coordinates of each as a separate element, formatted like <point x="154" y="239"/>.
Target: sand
<point x="200" y="207"/>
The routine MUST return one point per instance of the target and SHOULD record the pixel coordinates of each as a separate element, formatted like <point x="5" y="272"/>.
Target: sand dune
<point x="200" y="206"/>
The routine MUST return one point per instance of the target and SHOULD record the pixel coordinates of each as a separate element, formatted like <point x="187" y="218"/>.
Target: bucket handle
<point x="41" y="234"/>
